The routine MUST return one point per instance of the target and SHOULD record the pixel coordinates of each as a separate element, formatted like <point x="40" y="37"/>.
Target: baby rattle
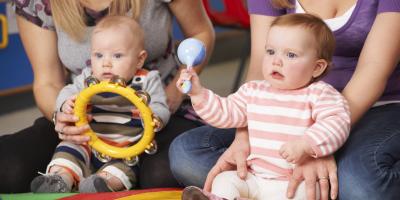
<point x="191" y="52"/>
<point x="103" y="151"/>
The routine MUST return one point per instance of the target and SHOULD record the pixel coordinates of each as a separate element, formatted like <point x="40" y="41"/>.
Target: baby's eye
<point x="270" y="51"/>
<point x="118" y="55"/>
<point x="291" y="55"/>
<point x="98" y="55"/>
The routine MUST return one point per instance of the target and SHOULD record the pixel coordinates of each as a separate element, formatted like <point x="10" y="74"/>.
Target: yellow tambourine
<point x="104" y="150"/>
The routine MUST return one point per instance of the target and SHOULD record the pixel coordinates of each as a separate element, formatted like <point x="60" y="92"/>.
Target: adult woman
<point x="56" y="35"/>
<point x="368" y="164"/>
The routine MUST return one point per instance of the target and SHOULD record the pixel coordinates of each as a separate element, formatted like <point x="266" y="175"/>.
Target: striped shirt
<point x="318" y="114"/>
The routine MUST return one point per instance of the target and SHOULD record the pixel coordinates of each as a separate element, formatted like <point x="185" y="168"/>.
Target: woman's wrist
<point x="242" y="133"/>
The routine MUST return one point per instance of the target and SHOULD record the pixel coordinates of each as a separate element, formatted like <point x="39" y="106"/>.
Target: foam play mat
<point x="150" y="194"/>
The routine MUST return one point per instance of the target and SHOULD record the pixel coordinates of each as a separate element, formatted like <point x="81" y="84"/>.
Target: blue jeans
<point x="194" y="153"/>
<point x="368" y="163"/>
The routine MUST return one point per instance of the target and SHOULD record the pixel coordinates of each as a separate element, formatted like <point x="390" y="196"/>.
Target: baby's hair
<point x="324" y="38"/>
<point x="117" y="21"/>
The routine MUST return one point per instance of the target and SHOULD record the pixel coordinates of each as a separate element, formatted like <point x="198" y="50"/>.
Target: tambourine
<point x="103" y="151"/>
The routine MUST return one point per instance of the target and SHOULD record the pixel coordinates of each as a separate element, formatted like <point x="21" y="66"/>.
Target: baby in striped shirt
<point x="291" y="115"/>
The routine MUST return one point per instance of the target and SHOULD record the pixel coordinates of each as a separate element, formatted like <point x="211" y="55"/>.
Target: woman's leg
<point x="369" y="162"/>
<point x="154" y="169"/>
<point x="25" y="153"/>
<point x="195" y="152"/>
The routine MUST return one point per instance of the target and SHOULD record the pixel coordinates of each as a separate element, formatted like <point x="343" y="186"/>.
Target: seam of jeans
<point x="205" y="143"/>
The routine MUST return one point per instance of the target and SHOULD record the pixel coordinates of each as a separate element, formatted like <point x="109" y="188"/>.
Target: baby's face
<point x="114" y="52"/>
<point x="290" y="57"/>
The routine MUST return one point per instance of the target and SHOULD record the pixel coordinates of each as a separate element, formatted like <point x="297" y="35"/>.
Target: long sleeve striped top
<point x="318" y="114"/>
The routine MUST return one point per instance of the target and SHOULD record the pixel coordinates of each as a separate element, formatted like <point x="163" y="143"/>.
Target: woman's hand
<point x="65" y="124"/>
<point x="234" y="158"/>
<point x="322" y="171"/>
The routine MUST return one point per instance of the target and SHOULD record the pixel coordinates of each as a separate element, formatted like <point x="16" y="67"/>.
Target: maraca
<point x="191" y="52"/>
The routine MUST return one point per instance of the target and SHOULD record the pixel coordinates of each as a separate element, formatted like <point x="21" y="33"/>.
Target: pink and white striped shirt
<point x="318" y="114"/>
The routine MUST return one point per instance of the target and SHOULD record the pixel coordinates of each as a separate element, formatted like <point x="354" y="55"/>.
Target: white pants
<point x="228" y="185"/>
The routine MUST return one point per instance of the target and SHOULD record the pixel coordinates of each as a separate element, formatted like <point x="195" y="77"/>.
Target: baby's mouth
<point x="277" y="75"/>
<point x="107" y="75"/>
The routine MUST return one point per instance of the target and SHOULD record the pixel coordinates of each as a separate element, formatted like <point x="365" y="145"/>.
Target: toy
<point x="106" y="152"/>
<point x="191" y="52"/>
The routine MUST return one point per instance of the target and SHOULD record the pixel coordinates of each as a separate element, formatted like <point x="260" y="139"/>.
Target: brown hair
<point x="115" y="21"/>
<point x="70" y="17"/>
<point x="324" y="38"/>
<point x="281" y="4"/>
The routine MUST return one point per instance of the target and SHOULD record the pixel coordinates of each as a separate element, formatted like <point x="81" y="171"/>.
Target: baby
<point x="117" y="50"/>
<point x="291" y="115"/>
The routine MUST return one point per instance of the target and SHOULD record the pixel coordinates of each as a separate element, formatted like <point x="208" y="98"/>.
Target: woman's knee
<point x="371" y="169"/>
<point x="183" y="159"/>
<point x="193" y="153"/>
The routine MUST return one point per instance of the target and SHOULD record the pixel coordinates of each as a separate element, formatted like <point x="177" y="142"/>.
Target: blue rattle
<point x="191" y="52"/>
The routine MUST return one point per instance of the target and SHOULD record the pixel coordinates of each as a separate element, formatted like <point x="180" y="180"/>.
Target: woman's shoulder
<point x="35" y="11"/>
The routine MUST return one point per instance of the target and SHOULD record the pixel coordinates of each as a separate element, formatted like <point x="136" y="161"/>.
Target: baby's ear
<point x="320" y="67"/>
<point x="141" y="58"/>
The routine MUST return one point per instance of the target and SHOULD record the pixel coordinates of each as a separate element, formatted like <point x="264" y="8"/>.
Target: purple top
<point x="350" y="39"/>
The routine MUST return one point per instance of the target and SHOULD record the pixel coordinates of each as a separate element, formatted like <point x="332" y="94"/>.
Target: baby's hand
<point x="189" y="75"/>
<point x="68" y="105"/>
<point x="296" y="151"/>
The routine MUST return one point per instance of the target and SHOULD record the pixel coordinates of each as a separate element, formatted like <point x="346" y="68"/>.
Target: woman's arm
<point x="41" y="47"/>
<point x="193" y="22"/>
<point x="49" y="78"/>
<point x="378" y="59"/>
<point x="259" y="26"/>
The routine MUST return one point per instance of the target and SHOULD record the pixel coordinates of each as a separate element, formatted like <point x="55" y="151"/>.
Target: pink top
<point x="318" y="113"/>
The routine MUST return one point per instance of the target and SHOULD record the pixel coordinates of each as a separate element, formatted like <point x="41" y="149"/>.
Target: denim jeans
<point x="194" y="153"/>
<point x="368" y="163"/>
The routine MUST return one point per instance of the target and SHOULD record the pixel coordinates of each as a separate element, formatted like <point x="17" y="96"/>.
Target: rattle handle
<point x="187" y="85"/>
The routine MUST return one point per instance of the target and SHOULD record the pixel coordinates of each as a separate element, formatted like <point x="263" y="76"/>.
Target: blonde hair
<point x="70" y="16"/>
<point x="324" y="38"/>
<point x="115" y="21"/>
<point x="281" y="4"/>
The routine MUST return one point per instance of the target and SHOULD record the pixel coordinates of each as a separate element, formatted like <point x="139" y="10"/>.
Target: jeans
<point x="194" y="153"/>
<point x="368" y="163"/>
